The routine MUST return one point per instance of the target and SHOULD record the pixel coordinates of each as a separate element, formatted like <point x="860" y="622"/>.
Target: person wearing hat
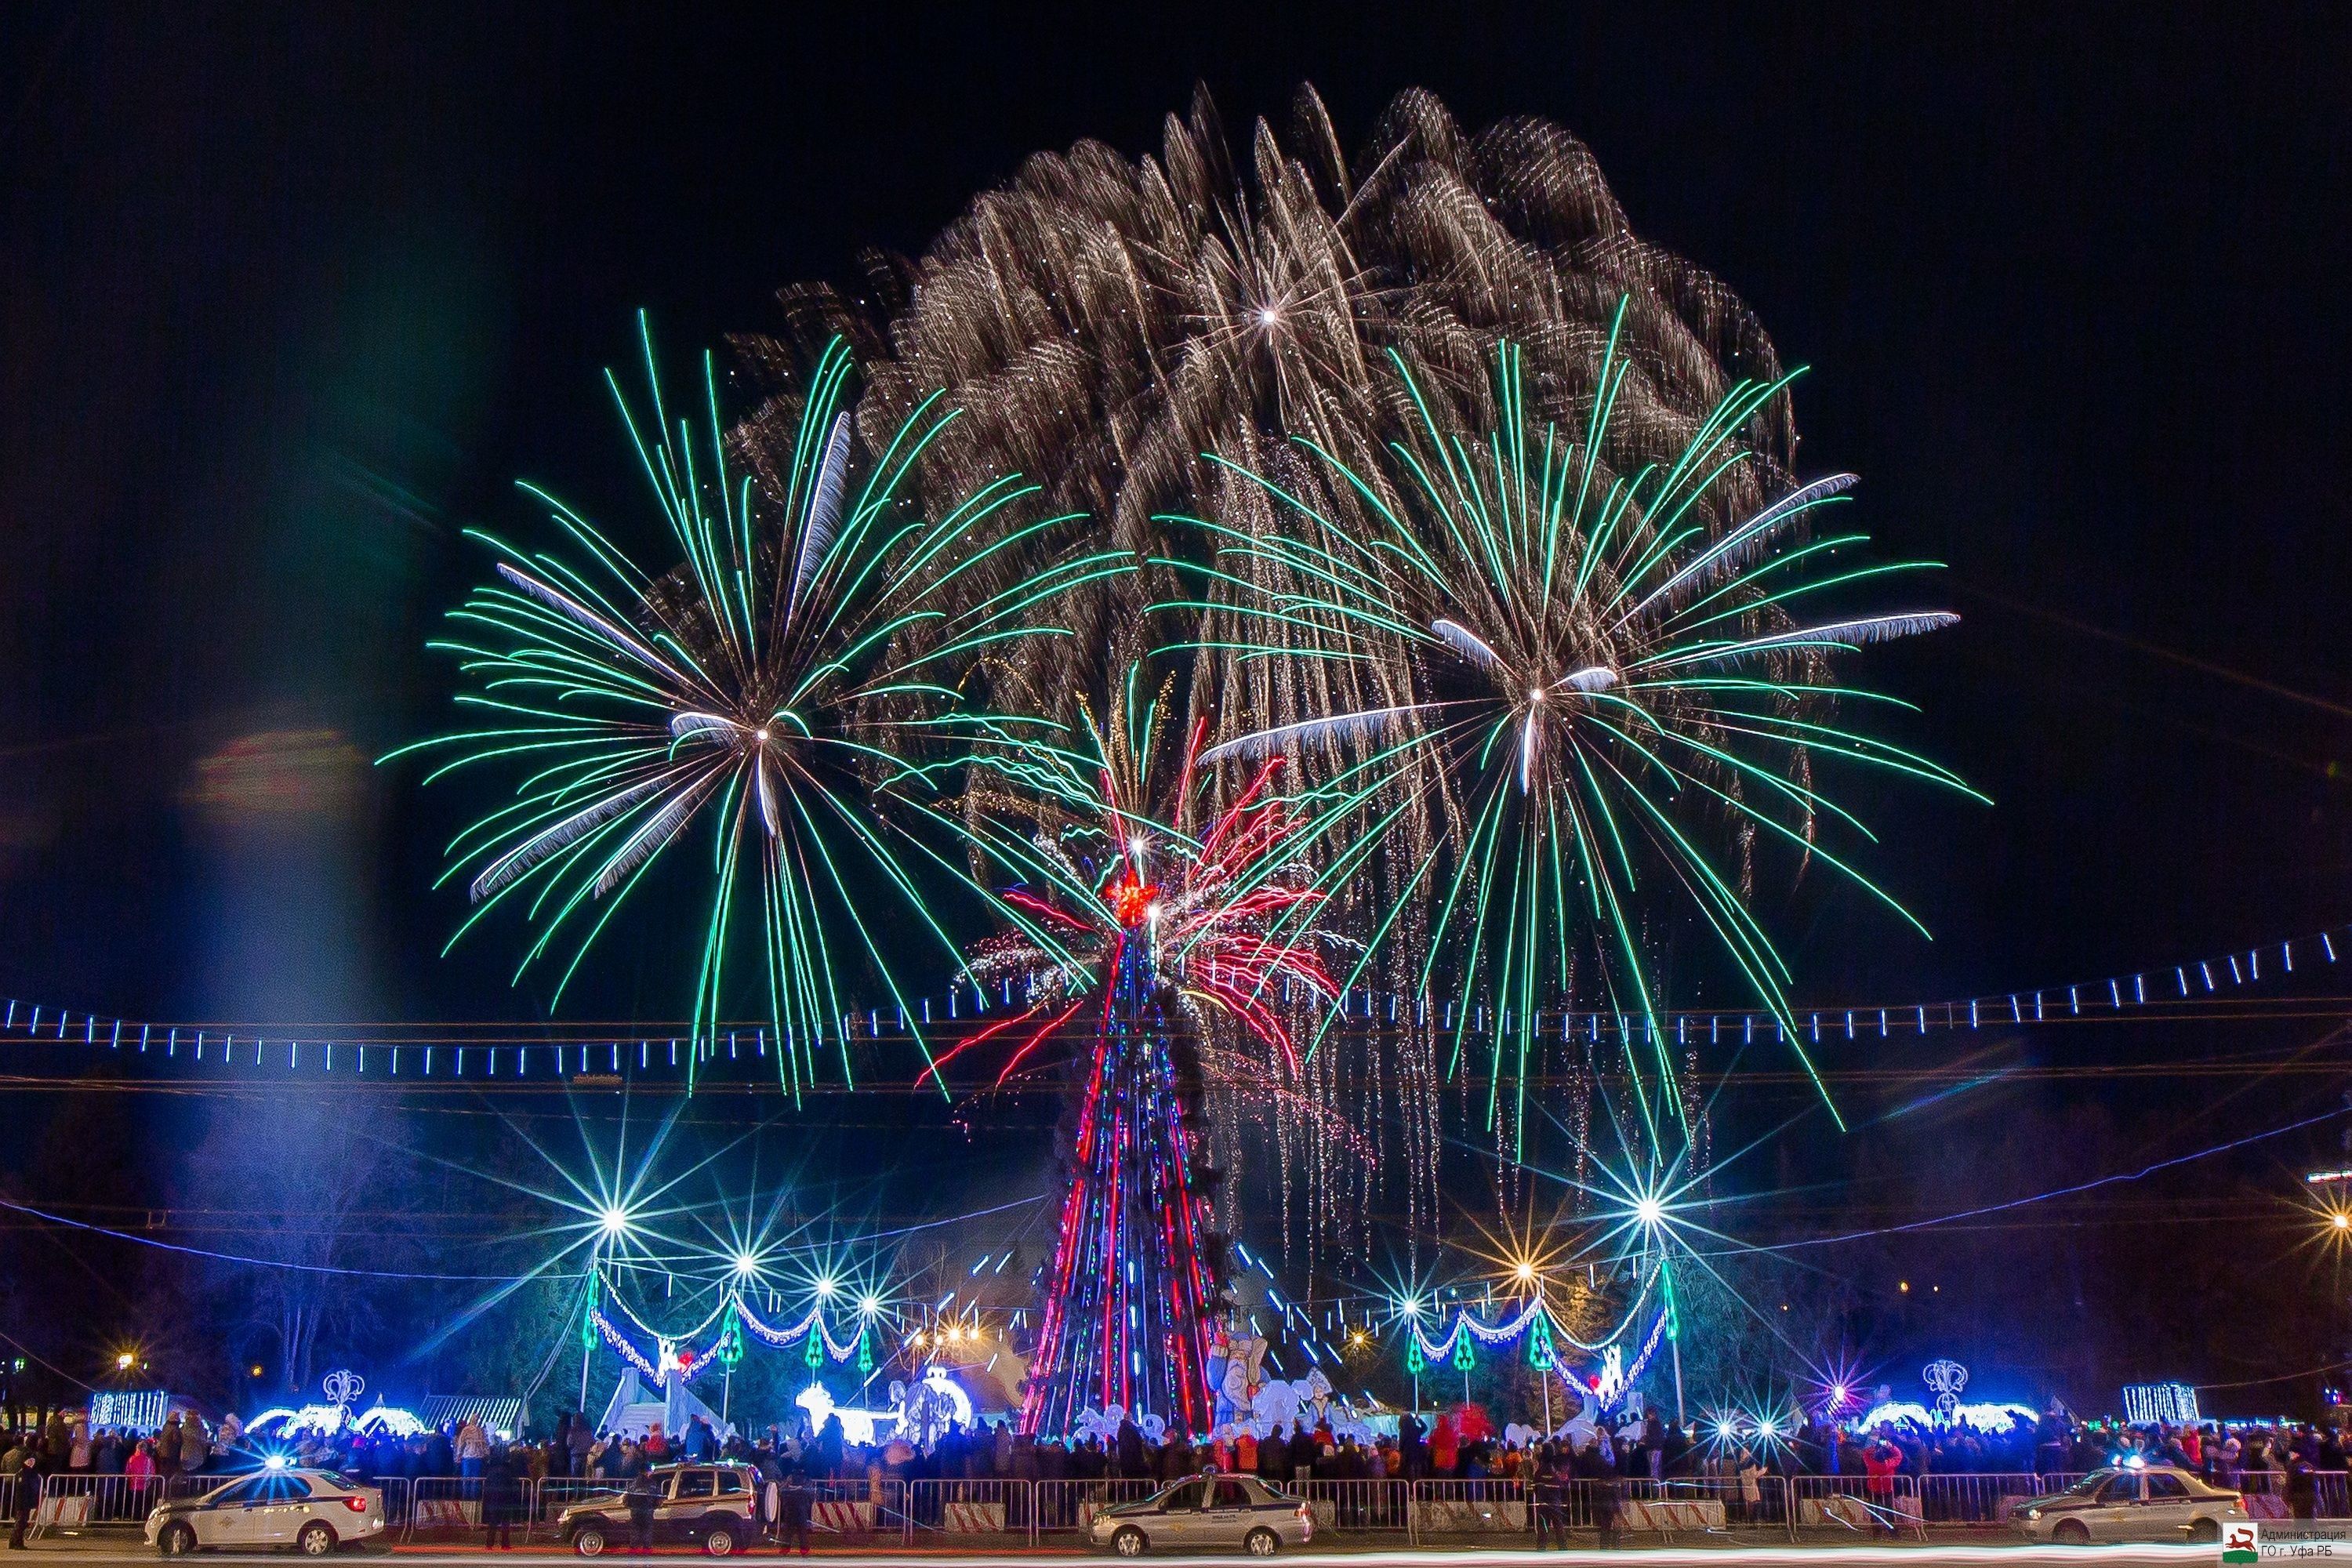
<point x="28" y="1492"/>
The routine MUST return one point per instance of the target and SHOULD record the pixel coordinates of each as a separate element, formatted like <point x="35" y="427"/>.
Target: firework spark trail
<point x="1593" y="672"/>
<point x="1107" y="319"/>
<point x="778" y="684"/>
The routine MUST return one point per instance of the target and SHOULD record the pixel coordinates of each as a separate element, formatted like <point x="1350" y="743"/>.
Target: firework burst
<point x="1573" y="674"/>
<point x="778" y="684"/>
<point x="1129" y="879"/>
<point x="1107" y="319"/>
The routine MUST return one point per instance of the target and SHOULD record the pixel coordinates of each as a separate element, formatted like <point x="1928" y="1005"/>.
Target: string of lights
<point x="488" y="1052"/>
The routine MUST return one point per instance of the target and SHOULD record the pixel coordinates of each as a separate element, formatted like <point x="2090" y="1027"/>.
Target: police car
<point x="2129" y="1502"/>
<point x="314" y="1512"/>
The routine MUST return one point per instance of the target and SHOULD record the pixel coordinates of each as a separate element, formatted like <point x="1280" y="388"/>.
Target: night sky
<point x="291" y="298"/>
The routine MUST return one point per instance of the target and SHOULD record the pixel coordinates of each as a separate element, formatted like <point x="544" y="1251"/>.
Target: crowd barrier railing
<point x="1487" y="1506"/>
<point x="846" y="1511"/>
<point x="979" y="1512"/>
<point x="74" y="1501"/>
<point x="2269" y="1495"/>
<point x="1357" y="1506"/>
<point x="548" y="1498"/>
<point x="1973" y="1500"/>
<point x="1066" y="1504"/>
<point x="79" y="1503"/>
<point x="1856" y="1505"/>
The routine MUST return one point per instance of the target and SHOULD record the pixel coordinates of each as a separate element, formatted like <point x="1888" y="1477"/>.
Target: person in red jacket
<point x="1444" y="1446"/>
<point x="1881" y="1460"/>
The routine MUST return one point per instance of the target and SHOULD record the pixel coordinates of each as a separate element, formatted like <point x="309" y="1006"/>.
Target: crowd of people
<point x="1731" y="1460"/>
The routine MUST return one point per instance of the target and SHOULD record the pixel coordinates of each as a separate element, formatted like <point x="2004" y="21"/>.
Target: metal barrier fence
<point x="1348" y="1507"/>
<point x="448" y="1509"/>
<point x="1071" y="1505"/>
<point x="2268" y="1496"/>
<point x="442" y="1507"/>
<point x="545" y="1501"/>
<point x="81" y="1500"/>
<point x="1478" y="1507"/>
<point x="1976" y="1501"/>
<point x="1856" y="1505"/>
<point x="859" y="1512"/>
<point x="984" y="1510"/>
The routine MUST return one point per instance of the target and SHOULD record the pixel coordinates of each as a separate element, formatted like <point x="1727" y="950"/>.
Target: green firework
<point x="780" y="684"/>
<point x="1582" y="686"/>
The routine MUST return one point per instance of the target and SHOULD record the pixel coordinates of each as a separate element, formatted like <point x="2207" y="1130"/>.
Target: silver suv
<point x="715" y="1507"/>
<point x="1204" y="1513"/>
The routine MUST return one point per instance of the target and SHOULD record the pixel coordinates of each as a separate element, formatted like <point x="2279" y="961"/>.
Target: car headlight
<point x="2033" y="1513"/>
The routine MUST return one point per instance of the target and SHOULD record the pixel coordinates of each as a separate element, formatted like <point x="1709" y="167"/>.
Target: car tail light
<point x="1306" y="1515"/>
<point x="356" y="1504"/>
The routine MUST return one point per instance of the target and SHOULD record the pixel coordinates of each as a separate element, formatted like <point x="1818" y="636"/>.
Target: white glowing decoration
<point x="1983" y="1417"/>
<point x="1612" y="1375"/>
<point x="746" y="1265"/>
<point x="1945" y="1379"/>
<point x="2173" y="1404"/>
<point x="919" y="1415"/>
<point x="1649" y="1211"/>
<point x="327" y="1420"/>
<point x="612" y="1221"/>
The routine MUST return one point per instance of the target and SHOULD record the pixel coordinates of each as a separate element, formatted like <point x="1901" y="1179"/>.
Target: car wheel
<point x="178" y="1539"/>
<point x="589" y="1541"/>
<point x="1261" y="1543"/>
<point x="720" y="1542"/>
<point x="1129" y="1542"/>
<point x="317" y="1539"/>
<point x="2071" y="1533"/>
<point x="2205" y="1531"/>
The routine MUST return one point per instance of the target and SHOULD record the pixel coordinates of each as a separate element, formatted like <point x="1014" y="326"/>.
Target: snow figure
<point x="927" y="1410"/>
<point x="1276" y="1405"/>
<point x="1315" y="1392"/>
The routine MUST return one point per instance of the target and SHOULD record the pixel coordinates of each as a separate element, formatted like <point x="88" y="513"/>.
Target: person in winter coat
<point x="501" y="1500"/>
<point x="1880" y="1464"/>
<point x="2302" y="1488"/>
<point x="1130" y="1450"/>
<point x="28" y="1490"/>
<point x="472" y="1447"/>
<point x="642" y="1496"/>
<point x="1751" y="1487"/>
<point x="1445" y="1447"/>
<point x="794" y="1503"/>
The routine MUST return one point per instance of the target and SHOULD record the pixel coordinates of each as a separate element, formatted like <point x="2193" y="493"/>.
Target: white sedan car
<point x="1207" y="1511"/>
<point x="312" y="1510"/>
<point x="2152" y="1502"/>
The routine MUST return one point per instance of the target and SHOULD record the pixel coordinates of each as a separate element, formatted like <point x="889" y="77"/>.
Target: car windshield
<point x="2087" y="1486"/>
<point x="337" y="1480"/>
